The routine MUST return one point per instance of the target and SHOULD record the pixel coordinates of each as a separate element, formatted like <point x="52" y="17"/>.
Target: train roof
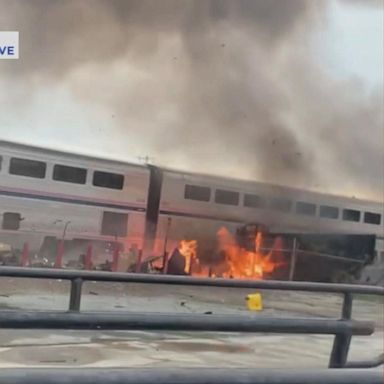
<point x="73" y="154"/>
<point x="278" y="188"/>
<point x="224" y="180"/>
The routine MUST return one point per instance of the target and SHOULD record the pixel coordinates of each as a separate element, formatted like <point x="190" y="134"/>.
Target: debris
<point x="182" y="303"/>
<point x="208" y="313"/>
<point x="176" y="263"/>
<point x="93" y="293"/>
<point x="254" y="302"/>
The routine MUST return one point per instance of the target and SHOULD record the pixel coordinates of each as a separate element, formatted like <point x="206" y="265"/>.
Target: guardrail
<point x="187" y="376"/>
<point x="343" y="328"/>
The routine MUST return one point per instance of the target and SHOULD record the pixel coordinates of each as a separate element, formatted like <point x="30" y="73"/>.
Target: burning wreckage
<point x="254" y="253"/>
<point x="251" y="253"/>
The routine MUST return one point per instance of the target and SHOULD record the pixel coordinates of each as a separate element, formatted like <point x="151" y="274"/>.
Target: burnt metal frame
<point x="343" y="329"/>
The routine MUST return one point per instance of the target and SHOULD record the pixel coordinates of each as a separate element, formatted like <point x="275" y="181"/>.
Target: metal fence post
<point x="138" y="261"/>
<point x="342" y="341"/>
<point x="165" y="253"/>
<point x="25" y="255"/>
<point x="165" y="263"/>
<point x="293" y="260"/>
<point x="75" y="297"/>
<point x="88" y="257"/>
<point x="115" y="259"/>
<point x="59" y="254"/>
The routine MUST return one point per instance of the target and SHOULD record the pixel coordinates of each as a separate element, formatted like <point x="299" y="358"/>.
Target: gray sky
<point x="353" y="42"/>
<point x="289" y="92"/>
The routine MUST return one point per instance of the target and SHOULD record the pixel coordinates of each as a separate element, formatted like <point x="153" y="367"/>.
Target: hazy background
<point x="284" y="91"/>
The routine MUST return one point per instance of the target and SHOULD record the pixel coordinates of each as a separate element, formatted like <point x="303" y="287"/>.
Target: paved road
<point x="116" y="348"/>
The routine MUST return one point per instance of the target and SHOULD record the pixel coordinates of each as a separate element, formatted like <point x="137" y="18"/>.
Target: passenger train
<point x="47" y="195"/>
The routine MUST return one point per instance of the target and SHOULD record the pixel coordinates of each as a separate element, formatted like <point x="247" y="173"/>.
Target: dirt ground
<point x="172" y="349"/>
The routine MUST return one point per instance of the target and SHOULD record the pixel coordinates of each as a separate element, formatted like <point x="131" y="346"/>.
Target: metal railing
<point x="343" y="328"/>
<point x="187" y="376"/>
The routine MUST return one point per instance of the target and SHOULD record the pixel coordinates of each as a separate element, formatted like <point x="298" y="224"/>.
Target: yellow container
<point x="254" y="302"/>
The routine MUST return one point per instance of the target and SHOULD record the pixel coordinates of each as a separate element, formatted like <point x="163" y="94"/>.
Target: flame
<point x="244" y="264"/>
<point x="188" y="250"/>
<point x="238" y="263"/>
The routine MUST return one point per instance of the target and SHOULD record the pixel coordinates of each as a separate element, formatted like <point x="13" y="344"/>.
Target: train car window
<point x="329" y="212"/>
<point x="253" y="201"/>
<point x="226" y="197"/>
<point x="27" y="167"/>
<point x="108" y="180"/>
<point x="282" y="205"/>
<point x="195" y="192"/>
<point x="372" y="218"/>
<point x="303" y="208"/>
<point x="351" y="215"/>
<point x="69" y="174"/>
<point x="114" y="224"/>
<point x="11" y="221"/>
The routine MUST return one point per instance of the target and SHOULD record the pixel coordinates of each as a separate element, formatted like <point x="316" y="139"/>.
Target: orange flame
<point x="243" y="263"/>
<point x="188" y="250"/>
<point x="239" y="262"/>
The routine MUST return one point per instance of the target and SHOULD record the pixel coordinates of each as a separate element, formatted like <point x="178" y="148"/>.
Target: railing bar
<point x="333" y="257"/>
<point x="346" y="311"/>
<point x="366" y="363"/>
<point x="75" y="295"/>
<point x="180" y="322"/>
<point x="191" y="281"/>
<point x="340" y="348"/>
<point x="186" y="376"/>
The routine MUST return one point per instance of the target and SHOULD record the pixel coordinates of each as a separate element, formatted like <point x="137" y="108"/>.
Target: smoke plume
<point x="217" y="86"/>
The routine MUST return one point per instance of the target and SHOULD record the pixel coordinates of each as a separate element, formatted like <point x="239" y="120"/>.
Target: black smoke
<point x="220" y="86"/>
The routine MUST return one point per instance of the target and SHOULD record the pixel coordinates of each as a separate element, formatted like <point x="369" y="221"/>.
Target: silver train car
<point x="47" y="195"/>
